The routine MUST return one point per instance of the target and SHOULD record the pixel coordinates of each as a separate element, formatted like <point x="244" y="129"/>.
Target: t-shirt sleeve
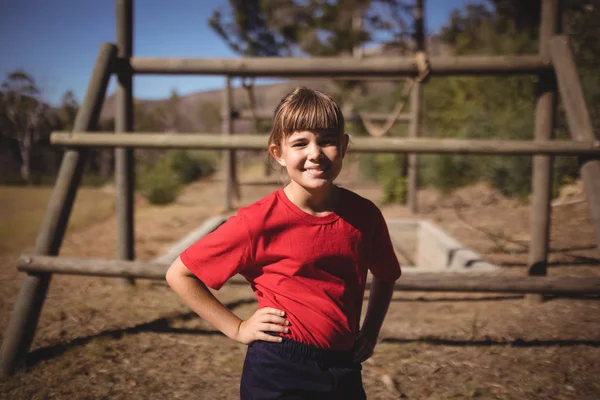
<point x="384" y="264"/>
<point x="221" y="254"/>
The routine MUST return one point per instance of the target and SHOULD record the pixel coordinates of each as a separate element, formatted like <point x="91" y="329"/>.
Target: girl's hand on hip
<point x="264" y="320"/>
<point x="363" y="348"/>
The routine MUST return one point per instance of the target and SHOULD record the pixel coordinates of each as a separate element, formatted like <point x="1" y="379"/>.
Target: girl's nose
<point x="314" y="151"/>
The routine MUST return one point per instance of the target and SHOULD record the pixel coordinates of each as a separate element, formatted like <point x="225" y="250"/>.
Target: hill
<point x="267" y="98"/>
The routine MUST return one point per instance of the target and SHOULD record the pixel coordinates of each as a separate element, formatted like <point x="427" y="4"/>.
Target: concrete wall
<point x="405" y="238"/>
<point x="434" y="250"/>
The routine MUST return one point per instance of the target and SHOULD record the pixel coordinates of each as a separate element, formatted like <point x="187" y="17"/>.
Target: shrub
<point x="387" y="169"/>
<point x="94" y="180"/>
<point x="448" y="172"/>
<point x="390" y="176"/>
<point x="368" y="167"/>
<point x="160" y="184"/>
<point x="190" y="166"/>
<point x="511" y="176"/>
<point x="395" y="189"/>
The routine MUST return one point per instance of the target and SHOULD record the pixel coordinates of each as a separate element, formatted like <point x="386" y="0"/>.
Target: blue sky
<point x="56" y="41"/>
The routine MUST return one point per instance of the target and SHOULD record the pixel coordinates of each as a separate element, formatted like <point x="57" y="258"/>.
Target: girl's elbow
<point x="170" y="276"/>
<point x="175" y="272"/>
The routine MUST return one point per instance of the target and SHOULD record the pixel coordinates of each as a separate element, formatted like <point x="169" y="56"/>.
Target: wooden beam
<point x="336" y="66"/>
<point x="579" y="122"/>
<point x="24" y="318"/>
<point x="418" y="282"/>
<point x="358" y="144"/>
<point x="562" y="285"/>
<point x="92" y="267"/>
<point x="373" y="116"/>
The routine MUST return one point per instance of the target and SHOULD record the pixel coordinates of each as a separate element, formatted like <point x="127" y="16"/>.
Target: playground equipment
<point x="557" y="74"/>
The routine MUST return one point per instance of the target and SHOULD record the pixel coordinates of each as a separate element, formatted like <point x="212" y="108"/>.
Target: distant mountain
<point x="267" y="98"/>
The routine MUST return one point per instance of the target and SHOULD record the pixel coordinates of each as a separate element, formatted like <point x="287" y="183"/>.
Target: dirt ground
<point x="99" y="338"/>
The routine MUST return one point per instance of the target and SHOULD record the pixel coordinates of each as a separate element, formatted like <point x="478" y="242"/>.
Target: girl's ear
<point x="345" y="141"/>
<point x="275" y="152"/>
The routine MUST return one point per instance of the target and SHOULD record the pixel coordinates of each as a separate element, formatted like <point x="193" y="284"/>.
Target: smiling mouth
<point x="315" y="171"/>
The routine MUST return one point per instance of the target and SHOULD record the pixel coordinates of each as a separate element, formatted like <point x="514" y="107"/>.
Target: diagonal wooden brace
<point x="23" y="322"/>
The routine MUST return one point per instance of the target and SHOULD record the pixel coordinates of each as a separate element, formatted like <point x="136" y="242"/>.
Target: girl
<point x="306" y="250"/>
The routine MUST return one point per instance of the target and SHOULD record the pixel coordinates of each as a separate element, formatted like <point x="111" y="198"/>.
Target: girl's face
<point x="313" y="159"/>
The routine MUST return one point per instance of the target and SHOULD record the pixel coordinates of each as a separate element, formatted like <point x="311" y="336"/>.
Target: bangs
<point x="310" y="111"/>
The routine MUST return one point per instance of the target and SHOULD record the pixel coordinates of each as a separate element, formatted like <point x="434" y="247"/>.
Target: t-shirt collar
<point x="313" y="219"/>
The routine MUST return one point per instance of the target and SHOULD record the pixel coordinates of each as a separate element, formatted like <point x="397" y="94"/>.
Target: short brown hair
<point x="305" y="109"/>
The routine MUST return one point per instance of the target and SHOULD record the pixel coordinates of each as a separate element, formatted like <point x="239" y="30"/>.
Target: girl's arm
<point x="199" y="298"/>
<point x="379" y="301"/>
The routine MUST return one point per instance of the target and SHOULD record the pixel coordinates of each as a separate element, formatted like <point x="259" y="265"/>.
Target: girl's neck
<point x="318" y="203"/>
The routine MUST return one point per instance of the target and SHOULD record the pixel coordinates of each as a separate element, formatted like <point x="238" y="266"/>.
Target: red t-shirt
<point x="313" y="268"/>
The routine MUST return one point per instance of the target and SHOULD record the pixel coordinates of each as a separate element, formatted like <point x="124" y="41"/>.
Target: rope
<point x="249" y="87"/>
<point x="248" y="84"/>
<point x="381" y="131"/>
<point x="423" y="66"/>
<point x="424" y="69"/>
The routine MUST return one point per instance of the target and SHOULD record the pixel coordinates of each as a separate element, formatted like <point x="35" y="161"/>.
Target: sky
<point x="57" y="41"/>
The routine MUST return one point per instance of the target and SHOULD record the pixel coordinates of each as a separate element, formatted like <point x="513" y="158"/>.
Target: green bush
<point x="160" y="184"/>
<point x="39" y="179"/>
<point x="395" y="189"/>
<point x="511" y="176"/>
<point x="390" y="176"/>
<point x="11" y="179"/>
<point x="190" y="166"/>
<point x="160" y="178"/>
<point x="368" y="166"/>
<point x="448" y="172"/>
<point x="94" y="180"/>
<point x="387" y="170"/>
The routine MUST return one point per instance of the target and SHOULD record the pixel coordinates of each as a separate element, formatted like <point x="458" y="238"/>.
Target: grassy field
<point x="22" y="211"/>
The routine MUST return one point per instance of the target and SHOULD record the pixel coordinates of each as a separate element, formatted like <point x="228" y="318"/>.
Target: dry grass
<point x="100" y="339"/>
<point x="23" y="207"/>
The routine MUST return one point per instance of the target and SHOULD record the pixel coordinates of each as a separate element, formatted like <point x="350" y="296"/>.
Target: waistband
<point x="292" y="349"/>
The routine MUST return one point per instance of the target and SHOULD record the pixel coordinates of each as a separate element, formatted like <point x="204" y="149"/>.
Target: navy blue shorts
<point x="293" y="370"/>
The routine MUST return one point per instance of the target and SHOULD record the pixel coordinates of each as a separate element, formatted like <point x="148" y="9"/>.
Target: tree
<point x="68" y="110"/>
<point x="27" y="118"/>
<point x="312" y="27"/>
<point x="244" y="27"/>
<point x="503" y="107"/>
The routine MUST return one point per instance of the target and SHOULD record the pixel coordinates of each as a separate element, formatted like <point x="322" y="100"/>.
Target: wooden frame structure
<point x="554" y="65"/>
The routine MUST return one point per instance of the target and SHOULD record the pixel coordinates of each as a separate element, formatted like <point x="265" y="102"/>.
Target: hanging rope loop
<point x="423" y="66"/>
<point x="248" y="85"/>
<point x="424" y="70"/>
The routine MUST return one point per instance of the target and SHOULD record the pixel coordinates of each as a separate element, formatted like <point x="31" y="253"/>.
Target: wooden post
<point x="579" y="122"/>
<point x="545" y="116"/>
<point x="124" y="160"/>
<point x="229" y="155"/>
<point x="416" y="99"/>
<point x="25" y="315"/>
